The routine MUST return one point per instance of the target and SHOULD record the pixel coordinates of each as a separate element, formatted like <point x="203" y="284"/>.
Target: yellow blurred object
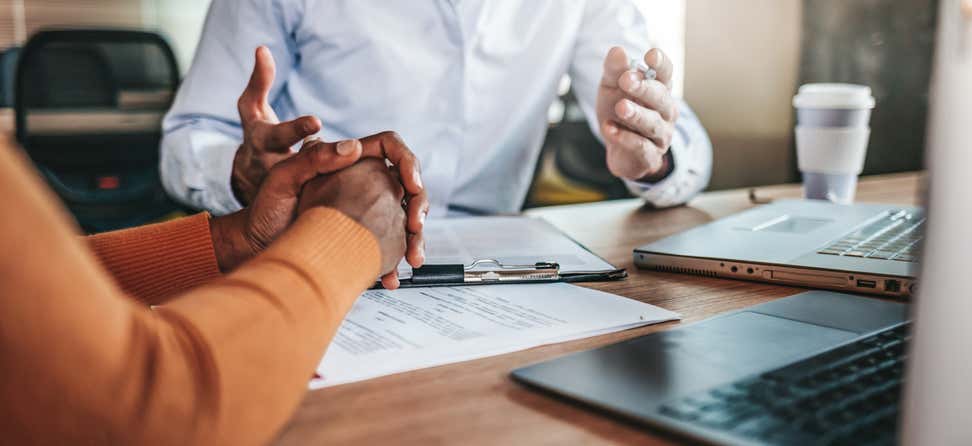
<point x="552" y="188"/>
<point x="171" y="216"/>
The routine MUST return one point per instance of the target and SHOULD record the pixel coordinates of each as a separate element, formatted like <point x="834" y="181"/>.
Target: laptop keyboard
<point x="893" y="236"/>
<point x="848" y="395"/>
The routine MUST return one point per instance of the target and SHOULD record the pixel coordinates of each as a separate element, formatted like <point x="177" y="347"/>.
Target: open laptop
<point x="819" y="367"/>
<point x="867" y="248"/>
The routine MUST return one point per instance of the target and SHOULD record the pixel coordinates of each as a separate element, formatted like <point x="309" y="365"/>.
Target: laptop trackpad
<point x="744" y="343"/>
<point x="644" y="372"/>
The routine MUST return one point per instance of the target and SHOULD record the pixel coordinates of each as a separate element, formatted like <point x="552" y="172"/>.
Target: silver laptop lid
<point x="938" y="394"/>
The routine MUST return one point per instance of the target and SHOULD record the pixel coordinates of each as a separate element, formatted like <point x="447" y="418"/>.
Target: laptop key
<point x="729" y="393"/>
<point x="892" y="343"/>
<point x="681" y="411"/>
<point x="718" y="419"/>
<point x="882" y="255"/>
<point x="703" y="401"/>
<point x="791" y="436"/>
<point x="759" y="427"/>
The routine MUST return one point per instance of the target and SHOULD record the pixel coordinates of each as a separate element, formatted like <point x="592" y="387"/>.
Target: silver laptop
<point x="868" y="248"/>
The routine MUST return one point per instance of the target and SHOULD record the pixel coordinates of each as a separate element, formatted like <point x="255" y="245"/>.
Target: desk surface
<point x="476" y="402"/>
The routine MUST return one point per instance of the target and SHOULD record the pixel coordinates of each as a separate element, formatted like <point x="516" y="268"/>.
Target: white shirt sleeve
<point x="610" y="23"/>
<point x="202" y="132"/>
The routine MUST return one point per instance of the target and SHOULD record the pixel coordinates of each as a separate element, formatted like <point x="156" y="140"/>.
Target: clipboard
<point x="494" y="271"/>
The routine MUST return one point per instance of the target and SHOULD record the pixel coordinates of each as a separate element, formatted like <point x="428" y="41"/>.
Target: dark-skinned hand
<point x="370" y="194"/>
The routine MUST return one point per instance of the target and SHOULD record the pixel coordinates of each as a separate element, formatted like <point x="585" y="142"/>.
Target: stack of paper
<point x="390" y="332"/>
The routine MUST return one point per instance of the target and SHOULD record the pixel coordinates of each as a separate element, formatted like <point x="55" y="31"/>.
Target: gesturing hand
<point x="637" y="116"/>
<point x="266" y="141"/>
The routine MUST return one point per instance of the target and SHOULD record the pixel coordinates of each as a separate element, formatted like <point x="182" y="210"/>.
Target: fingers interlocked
<point x="317" y="157"/>
<point x="390" y="146"/>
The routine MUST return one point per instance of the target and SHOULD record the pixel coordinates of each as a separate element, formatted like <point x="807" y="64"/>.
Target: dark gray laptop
<point x="745" y="377"/>
<point x="861" y="248"/>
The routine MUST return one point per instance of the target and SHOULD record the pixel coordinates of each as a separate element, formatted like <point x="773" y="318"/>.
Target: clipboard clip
<point x="486" y="271"/>
<point x="540" y="271"/>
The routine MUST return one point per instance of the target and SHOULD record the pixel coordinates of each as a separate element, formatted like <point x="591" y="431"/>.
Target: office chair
<point x="8" y="70"/>
<point x="88" y="107"/>
<point x="572" y="167"/>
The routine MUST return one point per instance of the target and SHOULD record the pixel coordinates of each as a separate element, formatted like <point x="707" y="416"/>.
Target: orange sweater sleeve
<point x="155" y="262"/>
<point x="224" y="363"/>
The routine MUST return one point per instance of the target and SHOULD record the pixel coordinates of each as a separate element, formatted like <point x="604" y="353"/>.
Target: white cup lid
<point x="831" y="96"/>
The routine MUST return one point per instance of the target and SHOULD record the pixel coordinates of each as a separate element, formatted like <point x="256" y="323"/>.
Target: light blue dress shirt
<point x="467" y="83"/>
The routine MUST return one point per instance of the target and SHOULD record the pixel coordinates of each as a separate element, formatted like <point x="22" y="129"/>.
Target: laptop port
<point x="861" y="283"/>
<point x="892" y="286"/>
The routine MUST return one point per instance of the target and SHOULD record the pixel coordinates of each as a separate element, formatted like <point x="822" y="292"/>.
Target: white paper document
<point x="509" y="240"/>
<point x="389" y="332"/>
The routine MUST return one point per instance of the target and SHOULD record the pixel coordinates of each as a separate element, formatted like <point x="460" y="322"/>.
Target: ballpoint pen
<point x="640" y="65"/>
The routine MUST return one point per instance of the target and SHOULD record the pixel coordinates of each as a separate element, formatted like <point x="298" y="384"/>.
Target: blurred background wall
<point x="180" y="20"/>
<point x="742" y="59"/>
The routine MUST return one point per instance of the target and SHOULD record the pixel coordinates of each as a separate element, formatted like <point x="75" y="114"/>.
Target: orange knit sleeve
<point x="155" y="262"/>
<point x="223" y="363"/>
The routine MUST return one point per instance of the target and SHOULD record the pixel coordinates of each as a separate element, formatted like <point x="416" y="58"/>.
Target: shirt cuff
<point x="219" y="182"/>
<point x="669" y="166"/>
<point x="196" y="166"/>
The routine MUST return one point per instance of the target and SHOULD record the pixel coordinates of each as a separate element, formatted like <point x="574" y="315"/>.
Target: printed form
<point x="389" y="332"/>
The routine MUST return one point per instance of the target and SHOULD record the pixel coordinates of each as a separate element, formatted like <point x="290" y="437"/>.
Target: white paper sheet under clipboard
<point x="495" y="242"/>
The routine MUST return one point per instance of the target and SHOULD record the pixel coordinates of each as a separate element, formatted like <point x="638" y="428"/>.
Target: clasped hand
<point x="375" y="180"/>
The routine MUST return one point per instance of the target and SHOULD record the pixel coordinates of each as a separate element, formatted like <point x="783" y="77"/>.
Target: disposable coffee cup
<point x="832" y="133"/>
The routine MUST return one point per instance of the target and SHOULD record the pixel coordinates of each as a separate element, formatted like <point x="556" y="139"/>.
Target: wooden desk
<point x="477" y="403"/>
